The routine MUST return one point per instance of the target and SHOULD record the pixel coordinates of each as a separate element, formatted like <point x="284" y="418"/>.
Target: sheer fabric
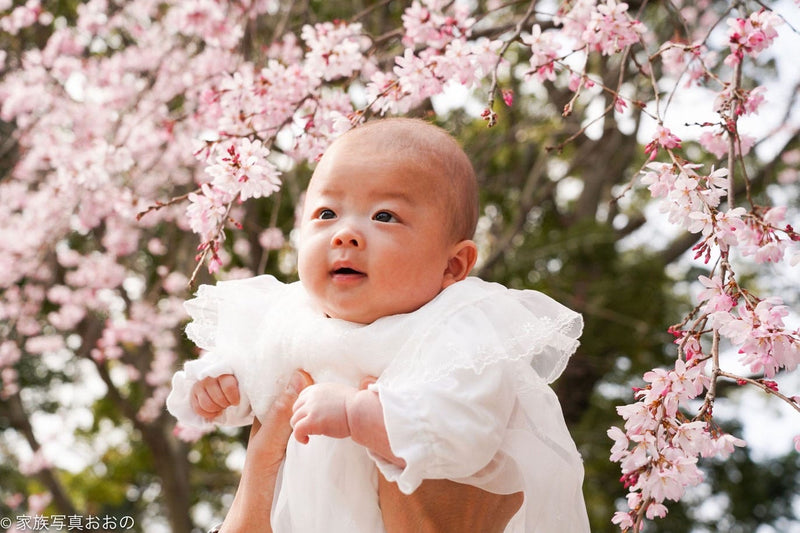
<point x="464" y="384"/>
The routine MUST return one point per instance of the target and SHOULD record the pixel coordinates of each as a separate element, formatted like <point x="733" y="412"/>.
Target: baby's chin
<point x="352" y="317"/>
<point x="360" y="316"/>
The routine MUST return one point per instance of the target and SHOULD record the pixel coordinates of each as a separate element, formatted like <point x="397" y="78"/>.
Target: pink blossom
<point x="175" y="283"/>
<point x="661" y="484"/>
<point x="623" y="520"/>
<point x="610" y="28"/>
<point x="9" y="377"/>
<point x="67" y="317"/>
<point x="22" y="17"/>
<point x="206" y="19"/>
<point x="752" y="35"/>
<point x="692" y="437"/>
<point x="415" y="77"/>
<point x="769" y="347"/>
<point x="544" y="53"/>
<point x="38" y="502"/>
<point x="205" y="211"/>
<point x="335" y="50"/>
<point x="637" y="418"/>
<point x="726" y="443"/>
<point x="244" y="170"/>
<point x="660" y="178"/>
<point x="775" y="216"/>
<point x="621" y="442"/>
<point x="575" y="82"/>
<point x="620" y="105"/>
<point x="153" y="406"/>
<point x="735" y="328"/>
<point x="656" y="510"/>
<point x="384" y="94"/>
<point x="714" y="295"/>
<point x="716" y="143"/>
<point x="771" y="252"/>
<point x="96" y="271"/>
<point x="663" y="138"/>
<point x="728" y="225"/>
<point x="427" y="23"/>
<point x="35" y="464"/>
<point x="9" y="353"/>
<point x="187" y="434"/>
<point x="287" y="50"/>
<point x="271" y="239"/>
<point x="753" y="100"/>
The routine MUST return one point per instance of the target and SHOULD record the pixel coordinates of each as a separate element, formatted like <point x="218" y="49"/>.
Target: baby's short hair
<point x="439" y="153"/>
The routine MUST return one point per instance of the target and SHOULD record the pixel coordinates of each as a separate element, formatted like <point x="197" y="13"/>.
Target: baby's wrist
<point x="352" y="410"/>
<point x="357" y="412"/>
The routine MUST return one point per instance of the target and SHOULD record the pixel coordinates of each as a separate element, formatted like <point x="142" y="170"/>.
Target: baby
<point x="420" y="372"/>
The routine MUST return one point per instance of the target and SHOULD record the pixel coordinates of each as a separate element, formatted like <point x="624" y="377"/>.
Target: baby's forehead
<point x="384" y="172"/>
<point x="401" y="147"/>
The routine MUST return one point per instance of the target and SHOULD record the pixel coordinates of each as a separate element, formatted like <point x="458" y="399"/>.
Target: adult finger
<point x="271" y="439"/>
<point x="366" y="382"/>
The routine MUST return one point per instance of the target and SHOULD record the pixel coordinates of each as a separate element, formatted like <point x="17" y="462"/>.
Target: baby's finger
<point x="203" y="406"/>
<point x="300" y="431"/>
<point x="214" y="392"/>
<point x="229" y="386"/>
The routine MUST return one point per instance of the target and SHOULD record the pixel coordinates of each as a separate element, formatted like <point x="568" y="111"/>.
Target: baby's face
<point x="374" y="239"/>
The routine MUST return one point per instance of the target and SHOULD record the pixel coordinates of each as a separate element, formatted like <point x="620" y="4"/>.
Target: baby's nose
<point x="347" y="237"/>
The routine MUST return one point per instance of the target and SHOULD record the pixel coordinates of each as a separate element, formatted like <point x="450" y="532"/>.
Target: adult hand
<point x="250" y="511"/>
<point x="444" y="506"/>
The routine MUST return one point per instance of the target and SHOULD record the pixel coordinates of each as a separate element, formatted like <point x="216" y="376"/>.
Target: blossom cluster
<point x="658" y="450"/>
<point x="661" y="443"/>
<point x="752" y="35"/>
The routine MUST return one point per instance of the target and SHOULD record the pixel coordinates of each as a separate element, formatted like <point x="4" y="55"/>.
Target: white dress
<point x="463" y="381"/>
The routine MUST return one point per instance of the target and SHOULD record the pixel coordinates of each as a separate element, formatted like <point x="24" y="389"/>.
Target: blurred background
<point x="105" y="106"/>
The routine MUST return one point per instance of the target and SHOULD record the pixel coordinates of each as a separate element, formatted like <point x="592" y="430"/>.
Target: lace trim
<point x="203" y="310"/>
<point x="546" y="341"/>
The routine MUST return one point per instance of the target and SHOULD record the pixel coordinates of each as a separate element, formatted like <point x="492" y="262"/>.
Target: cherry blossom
<point x="244" y="170"/>
<point x="611" y="29"/>
<point x="335" y="50"/>
<point x="752" y="35"/>
<point x="545" y="51"/>
<point x="663" y="138"/>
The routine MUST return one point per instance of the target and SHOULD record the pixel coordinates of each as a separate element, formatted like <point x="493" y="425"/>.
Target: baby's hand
<point x="321" y="409"/>
<point x="211" y="396"/>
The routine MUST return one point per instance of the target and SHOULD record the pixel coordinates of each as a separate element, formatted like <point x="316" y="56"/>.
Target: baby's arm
<point x="212" y="395"/>
<point x="341" y="411"/>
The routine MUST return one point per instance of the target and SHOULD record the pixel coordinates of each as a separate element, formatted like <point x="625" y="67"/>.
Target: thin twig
<point x="733" y="133"/>
<point x="761" y="385"/>
<point x="514" y="36"/>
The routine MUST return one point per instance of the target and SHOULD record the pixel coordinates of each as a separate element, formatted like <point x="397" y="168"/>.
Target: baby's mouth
<point x="347" y="271"/>
<point x="347" y="274"/>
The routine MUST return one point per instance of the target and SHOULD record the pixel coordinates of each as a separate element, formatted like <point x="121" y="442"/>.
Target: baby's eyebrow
<point x="401" y="196"/>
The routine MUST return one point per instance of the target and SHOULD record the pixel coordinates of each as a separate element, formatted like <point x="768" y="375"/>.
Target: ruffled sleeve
<point x="449" y="395"/>
<point x="226" y="320"/>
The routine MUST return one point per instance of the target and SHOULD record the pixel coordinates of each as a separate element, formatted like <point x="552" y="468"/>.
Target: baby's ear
<point x="463" y="256"/>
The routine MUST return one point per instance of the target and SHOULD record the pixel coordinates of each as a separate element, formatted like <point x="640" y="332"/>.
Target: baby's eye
<point x="326" y="214"/>
<point x="384" y="216"/>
